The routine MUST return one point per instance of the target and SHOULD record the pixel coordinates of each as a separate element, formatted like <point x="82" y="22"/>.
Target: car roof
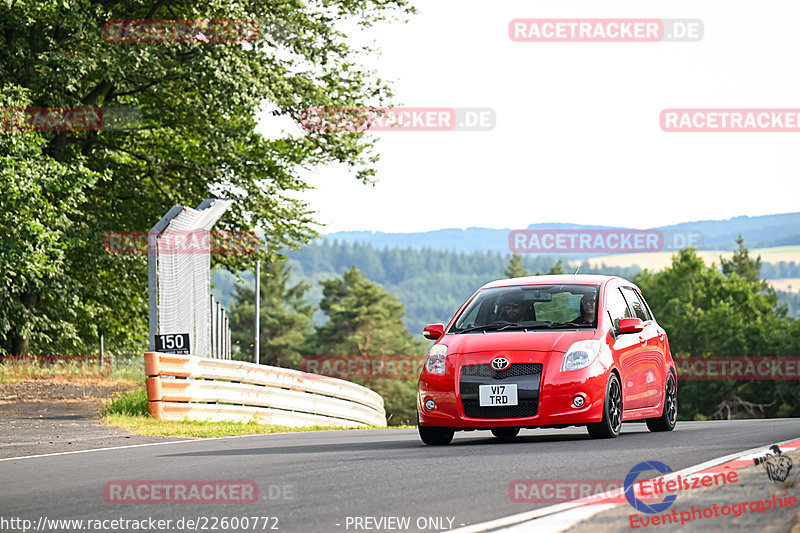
<point x="578" y="279"/>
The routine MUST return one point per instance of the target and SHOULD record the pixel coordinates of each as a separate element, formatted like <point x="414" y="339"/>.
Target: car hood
<point x="530" y="341"/>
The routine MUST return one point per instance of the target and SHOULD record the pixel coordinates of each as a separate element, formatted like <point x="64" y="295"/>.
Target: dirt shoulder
<point x="740" y="500"/>
<point x="49" y="415"/>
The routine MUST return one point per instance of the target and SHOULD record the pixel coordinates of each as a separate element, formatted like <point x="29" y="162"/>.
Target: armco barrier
<point x="182" y="387"/>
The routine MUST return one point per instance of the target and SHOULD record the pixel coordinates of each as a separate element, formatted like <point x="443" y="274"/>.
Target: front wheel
<point x="669" y="415"/>
<point x="611" y="425"/>
<point x="436" y="436"/>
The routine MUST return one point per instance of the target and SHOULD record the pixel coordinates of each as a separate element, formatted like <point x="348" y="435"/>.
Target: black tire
<point x="436" y="436"/>
<point x="611" y="425"/>
<point x="505" y="434"/>
<point x="669" y="414"/>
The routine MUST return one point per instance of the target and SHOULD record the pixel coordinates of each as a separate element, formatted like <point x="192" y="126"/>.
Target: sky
<point x="577" y="136"/>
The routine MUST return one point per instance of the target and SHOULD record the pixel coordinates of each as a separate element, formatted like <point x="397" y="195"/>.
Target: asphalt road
<point x="314" y="481"/>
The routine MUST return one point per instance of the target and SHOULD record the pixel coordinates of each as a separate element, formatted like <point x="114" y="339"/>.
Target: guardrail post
<point x="152" y="369"/>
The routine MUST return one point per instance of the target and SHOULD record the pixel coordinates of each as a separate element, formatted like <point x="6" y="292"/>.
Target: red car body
<point x="640" y="359"/>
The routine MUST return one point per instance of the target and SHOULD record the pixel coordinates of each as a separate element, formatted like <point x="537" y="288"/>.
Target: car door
<point x="651" y="357"/>
<point x="628" y="350"/>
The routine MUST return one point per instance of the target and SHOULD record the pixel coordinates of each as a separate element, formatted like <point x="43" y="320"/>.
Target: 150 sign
<point x="173" y="343"/>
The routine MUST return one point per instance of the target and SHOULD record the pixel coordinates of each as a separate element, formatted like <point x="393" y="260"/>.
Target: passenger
<point x="587" y="310"/>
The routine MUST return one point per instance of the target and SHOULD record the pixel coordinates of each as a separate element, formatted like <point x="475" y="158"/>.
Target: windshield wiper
<point x="551" y="325"/>
<point x="494" y="326"/>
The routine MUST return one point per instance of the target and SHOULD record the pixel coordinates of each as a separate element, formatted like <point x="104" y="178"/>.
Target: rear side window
<point x="639" y="309"/>
<point x="617" y="307"/>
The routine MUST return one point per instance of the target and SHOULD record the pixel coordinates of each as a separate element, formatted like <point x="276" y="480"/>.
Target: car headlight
<point x="581" y="354"/>
<point x="436" y="359"/>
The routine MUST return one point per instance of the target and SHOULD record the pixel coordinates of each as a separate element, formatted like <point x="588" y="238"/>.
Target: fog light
<point x="430" y="405"/>
<point x="578" y="401"/>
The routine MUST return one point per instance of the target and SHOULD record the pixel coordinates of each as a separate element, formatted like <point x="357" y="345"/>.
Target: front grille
<point x="524" y="409"/>
<point x="515" y="370"/>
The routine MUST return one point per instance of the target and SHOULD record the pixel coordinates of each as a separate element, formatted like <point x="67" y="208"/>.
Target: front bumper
<point x="545" y="397"/>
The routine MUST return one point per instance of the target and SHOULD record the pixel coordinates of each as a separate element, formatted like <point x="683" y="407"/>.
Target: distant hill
<point x="758" y="232"/>
<point x="432" y="284"/>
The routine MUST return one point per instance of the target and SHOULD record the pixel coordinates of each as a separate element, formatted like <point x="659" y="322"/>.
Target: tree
<point x="741" y="264"/>
<point x="706" y="313"/>
<point x="557" y="268"/>
<point x="284" y="318"/>
<point x="365" y="320"/>
<point x="515" y="268"/>
<point x="196" y="138"/>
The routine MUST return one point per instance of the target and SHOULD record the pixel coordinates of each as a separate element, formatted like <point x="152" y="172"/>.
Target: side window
<point x="617" y="307"/>
<point x="639" y="309"/>
<point x="647" y="308"/>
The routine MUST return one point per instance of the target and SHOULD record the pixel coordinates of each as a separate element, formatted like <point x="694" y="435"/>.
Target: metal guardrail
<point x="183" y="387"/>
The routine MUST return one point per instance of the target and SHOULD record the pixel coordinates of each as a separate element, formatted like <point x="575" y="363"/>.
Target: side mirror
<point x="433" y="331"/>
<point x="631" y="325"/>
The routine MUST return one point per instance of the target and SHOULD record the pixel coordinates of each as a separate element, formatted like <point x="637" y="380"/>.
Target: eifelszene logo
<point x="630" y="495"/>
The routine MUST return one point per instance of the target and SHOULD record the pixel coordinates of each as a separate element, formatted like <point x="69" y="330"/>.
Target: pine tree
<point x="749" y="269"/>
<point x="284" y="321"/>
<point x="557" y="268"/>
<point x="515" y="268"/>
<point x="365" y="320"/>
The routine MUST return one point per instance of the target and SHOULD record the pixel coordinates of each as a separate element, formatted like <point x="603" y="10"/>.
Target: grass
<point x="145" y="425"/>
<point x="129" y="411"/>
<point x="129" y="404"/>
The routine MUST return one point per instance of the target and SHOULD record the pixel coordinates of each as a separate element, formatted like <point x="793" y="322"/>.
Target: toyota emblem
<point x="500" y="363"/>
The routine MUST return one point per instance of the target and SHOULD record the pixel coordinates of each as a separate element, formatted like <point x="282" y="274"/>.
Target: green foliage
<point x="557" y="268"/>
<point x="284" y="321"/>
<point x="431" y="284"/>
<point x="364" y="319"/>
<point x="708" y="313"/>
<point x="62" y="191"/>
<point x="741" y="264"/>
<point x="515" y="268"/>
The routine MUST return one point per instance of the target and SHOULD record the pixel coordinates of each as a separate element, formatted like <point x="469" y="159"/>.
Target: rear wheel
<point x="610" y="426"/>
<point x="669" y="415"/>
<point x="436" y="436"/>
<point x="505" y="434"/>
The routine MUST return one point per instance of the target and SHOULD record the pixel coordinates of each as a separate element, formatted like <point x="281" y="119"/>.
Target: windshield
<point x="530" y="307"/>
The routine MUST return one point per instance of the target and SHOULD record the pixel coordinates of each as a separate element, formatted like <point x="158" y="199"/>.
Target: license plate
<point x="497" y="395"/>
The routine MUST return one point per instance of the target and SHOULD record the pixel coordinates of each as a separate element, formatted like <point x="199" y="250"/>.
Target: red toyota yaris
<point x="548" y="351"/>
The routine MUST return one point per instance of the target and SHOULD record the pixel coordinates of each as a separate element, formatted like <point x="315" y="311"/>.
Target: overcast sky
<point x="577" y="136"/>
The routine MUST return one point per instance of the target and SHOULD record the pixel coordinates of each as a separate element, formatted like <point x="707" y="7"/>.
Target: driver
<point x="511" y="306"/>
